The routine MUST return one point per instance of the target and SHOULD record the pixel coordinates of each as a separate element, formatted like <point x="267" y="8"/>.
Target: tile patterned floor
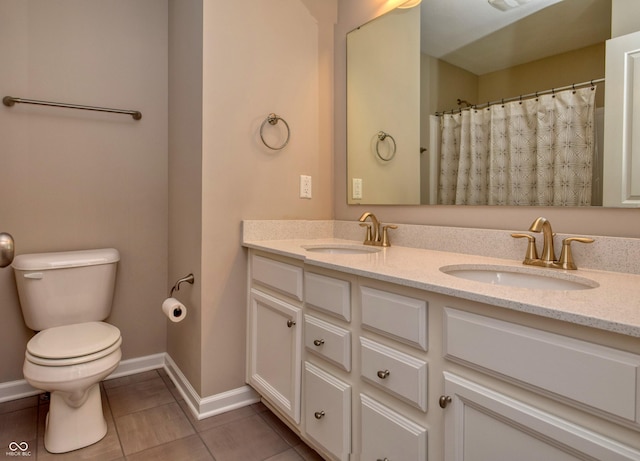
<point x="148" y="420"/>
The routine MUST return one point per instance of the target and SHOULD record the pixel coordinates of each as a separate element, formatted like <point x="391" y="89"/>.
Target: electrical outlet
<point x="305" y="186"/>
<point x="356" y="188"/>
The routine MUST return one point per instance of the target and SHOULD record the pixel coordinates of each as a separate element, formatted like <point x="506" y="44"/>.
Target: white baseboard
<point x="13" y="390"/>
<point x="199" y="406"/>
<point x="211" y="405"/>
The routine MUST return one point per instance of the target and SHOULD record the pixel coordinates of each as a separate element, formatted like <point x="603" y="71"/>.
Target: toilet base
<point x="69" y="428"/>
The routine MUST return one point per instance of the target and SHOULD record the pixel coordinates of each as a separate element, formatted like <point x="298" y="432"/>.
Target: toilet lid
<point x="69" y="341"/>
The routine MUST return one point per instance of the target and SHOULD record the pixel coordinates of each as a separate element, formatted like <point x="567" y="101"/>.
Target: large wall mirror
<point x="414" y="69"/>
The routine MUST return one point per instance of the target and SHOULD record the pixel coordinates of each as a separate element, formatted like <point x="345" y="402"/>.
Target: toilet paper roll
<point x="174" y="309"/>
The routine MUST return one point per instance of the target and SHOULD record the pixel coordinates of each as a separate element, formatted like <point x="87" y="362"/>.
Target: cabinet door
<point x="481" y="425"/>
<point x="387" y="435"/>
<point x="328" y="411"/>
<point x="275" y="346"/>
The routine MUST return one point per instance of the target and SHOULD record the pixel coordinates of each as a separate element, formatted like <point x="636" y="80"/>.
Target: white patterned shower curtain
<point x="532" y="152"/>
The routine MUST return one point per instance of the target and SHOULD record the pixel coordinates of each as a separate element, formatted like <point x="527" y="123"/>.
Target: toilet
<point x="65" y="297"/>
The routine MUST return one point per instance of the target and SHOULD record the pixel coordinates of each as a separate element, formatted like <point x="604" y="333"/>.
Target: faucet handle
<point x="532" y="252"/>
<point x="368" y="240"/>
<point x="566" y="257"/>
<point x="385" y="236"/>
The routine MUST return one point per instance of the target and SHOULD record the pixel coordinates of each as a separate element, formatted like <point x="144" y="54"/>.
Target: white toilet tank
<point x="67" y="287"/>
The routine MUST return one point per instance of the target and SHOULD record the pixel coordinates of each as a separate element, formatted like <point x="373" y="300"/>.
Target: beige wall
<point x="247" y="58"/>
<point x="77" y="179"/>
<point x="564" y="69"/>
<point x="185" y="180"/>
<point x="596" y="221"/>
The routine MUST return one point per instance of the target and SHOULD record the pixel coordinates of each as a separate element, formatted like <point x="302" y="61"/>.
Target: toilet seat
<point x="73" y="344"/>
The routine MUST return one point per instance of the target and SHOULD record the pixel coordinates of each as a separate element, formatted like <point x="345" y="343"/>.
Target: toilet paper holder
<point x="176" y="287"/>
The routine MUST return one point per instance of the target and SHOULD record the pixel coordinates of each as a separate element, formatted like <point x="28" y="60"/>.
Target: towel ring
<point x="273" y="120"/>
<point x="381" y="137"/>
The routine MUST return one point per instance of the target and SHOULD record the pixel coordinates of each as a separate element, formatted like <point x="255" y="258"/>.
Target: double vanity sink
<point x="507" y="276"/>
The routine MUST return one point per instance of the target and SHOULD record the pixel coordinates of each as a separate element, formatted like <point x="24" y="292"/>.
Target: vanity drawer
<point x="599" y="377"/>
<point x="399" y="317"/>
<point x="328" y="411"/>
<point x="280" y="276"/>
<point x="328" y="294"/>
<point x="328" y="341"/>
<point x="399" y="374"/>
<point x="389" y="435"/>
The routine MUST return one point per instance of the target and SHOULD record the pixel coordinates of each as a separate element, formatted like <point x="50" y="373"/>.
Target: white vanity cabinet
<point x="274" y="333"/>
<point x="365" y="369"/>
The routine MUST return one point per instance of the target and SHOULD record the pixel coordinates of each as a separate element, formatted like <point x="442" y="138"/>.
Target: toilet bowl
<point x="70" y="361"/>
<point x="66" y="296"/>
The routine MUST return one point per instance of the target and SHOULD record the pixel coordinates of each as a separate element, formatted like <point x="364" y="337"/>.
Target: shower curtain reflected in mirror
<point x="536" y="151"/>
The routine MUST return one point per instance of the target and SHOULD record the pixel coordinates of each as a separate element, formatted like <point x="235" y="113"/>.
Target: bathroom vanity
<point x="382" y="355"/>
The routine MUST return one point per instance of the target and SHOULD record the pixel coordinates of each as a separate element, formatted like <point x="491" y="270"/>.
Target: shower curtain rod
<point x="10" y="101"/>
<point x="523" y="96"/>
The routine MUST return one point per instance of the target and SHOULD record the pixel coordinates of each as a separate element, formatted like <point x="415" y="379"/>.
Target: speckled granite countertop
<point x="614" y="305"/>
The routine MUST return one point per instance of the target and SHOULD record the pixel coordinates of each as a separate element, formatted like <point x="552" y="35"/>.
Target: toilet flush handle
<point x="34" y="275"/>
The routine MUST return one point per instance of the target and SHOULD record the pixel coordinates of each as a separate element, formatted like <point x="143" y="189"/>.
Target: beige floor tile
<point x="190" y="448"/>
<point x="18" y="427"/>
<point x="151" y="427"/>
<point x="281" y="428"/>
<point x="172" y="387"/>
<point x="218" y="420"/>
<point x="248" y="439"/>
<point x="289" y="455"/>
<point x="19" y="404"/>
<point x="307" y="453"/>
<point x="138" y="396"/>
<point x="154" y="425"/>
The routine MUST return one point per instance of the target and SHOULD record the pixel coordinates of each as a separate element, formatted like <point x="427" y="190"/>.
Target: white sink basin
<point x="521" y="277"/>
<point x="344" y="249"/>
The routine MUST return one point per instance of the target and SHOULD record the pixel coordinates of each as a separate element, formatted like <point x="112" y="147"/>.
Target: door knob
<point x="290" y="323"/>
<point x="7" y="249"/>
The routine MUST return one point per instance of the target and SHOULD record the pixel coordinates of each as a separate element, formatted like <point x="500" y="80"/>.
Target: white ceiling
<point x="480" y="38"/>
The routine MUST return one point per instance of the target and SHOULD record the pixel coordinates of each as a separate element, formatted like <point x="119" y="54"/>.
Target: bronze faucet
<point x="548" y="258"/>
<point x="374" y="237"/>
<point x="548" y="252"/>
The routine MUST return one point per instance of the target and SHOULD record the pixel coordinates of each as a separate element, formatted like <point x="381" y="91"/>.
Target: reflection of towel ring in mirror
<point x="273" y="120"/>
<point x="381" y="137"/>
